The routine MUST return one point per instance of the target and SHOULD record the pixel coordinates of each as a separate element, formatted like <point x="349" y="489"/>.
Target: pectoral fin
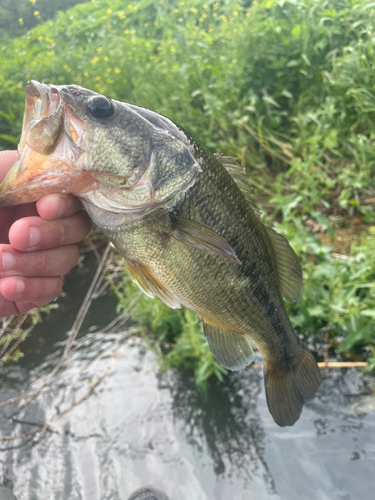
<point x="232" y="350"/>
<point x="202" y="237"/>
<point x="149" y="285"/>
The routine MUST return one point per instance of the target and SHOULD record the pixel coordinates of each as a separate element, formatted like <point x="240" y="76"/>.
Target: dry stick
<point x="6" y="322"/>
<point x="326" y="346"/>
<point x="263" y="144"/>
<point x="47" y="425"/>
<point x="93" y="248"/>
<point x="21" y="339"/>
<point x="72" y="334"/>
<point x="23" y="396"/>
<point x="64" y="413"/>
<point x="367" y="202"/>
<point x="16" y="328"/>
<point x="330" y="364"/>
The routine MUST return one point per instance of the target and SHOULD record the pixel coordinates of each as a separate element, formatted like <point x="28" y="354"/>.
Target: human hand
<point x="37" y="246"/>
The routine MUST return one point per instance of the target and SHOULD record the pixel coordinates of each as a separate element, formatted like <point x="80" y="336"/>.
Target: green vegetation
<point x="285" y="86"/>
<point x="19" y="16"/>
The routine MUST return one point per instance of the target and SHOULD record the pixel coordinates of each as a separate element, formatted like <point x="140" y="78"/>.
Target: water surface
<point x="140" y="427"/>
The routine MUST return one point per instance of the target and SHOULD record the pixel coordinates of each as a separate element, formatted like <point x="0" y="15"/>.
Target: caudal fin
<point x="288" y="390"/>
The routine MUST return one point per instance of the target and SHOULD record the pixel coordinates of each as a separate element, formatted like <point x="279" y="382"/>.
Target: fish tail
<point x="287" y="390"/>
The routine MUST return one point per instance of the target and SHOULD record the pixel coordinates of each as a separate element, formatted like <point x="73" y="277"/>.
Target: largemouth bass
<point x="179" y="216"/>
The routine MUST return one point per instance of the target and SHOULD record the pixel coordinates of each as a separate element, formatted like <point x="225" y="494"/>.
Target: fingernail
<point x="7" y="262"/>
<point x="20" y="287"/>
<point x="34" y="236"/>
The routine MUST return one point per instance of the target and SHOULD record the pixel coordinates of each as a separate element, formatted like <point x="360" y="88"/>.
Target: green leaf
<point x="370" y="313"/>
<point x="9" y="138"/>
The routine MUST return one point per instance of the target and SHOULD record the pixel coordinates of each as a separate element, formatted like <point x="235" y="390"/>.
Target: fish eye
<point x="100" y="107"/>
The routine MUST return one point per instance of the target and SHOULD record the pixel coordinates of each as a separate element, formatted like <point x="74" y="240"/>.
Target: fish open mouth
<point x="51" y="141"/>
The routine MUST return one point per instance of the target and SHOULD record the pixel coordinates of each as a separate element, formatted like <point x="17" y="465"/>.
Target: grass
<point x="285" y="86"/>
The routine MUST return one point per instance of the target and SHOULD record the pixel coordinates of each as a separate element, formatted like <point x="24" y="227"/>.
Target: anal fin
<point x="149" y="285"/>
<point x="232" y="350"/>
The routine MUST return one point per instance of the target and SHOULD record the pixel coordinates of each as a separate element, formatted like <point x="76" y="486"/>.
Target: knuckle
<point x="39" y="289"/>
<point x="63" y="233"/>
<point x="41" y="262"/>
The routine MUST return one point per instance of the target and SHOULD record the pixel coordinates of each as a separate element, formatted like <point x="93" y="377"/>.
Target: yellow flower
<point x="106" y="58"/>
<point x="40" y="38"/>
<point x="94" y="60"/>
<point x="121" y="15"/>
<point x="194" y="10"/>
<point x="85" y="74"/>
<point x="126" y="32"/>
<point x="99" y="49"/>
<point x="32" y="2"/>
<point x="20" y="21"/>
<point x="109" y="11"/>
<point x="97" y="78"/>
<point x="36" y="13"/>
<point x="117" y="70"/>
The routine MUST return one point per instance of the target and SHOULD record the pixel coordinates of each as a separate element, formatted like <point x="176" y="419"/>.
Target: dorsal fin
<point x="288" y="266"/>
<point x="238" y="174"/>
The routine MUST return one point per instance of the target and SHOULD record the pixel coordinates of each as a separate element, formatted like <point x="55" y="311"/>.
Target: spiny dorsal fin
<point x="232" y="350"/>
<point x="202" y="237"/>
<point x="141" y="275"/>
<point x="238" y="174"/>
<point x="288" y="266"/>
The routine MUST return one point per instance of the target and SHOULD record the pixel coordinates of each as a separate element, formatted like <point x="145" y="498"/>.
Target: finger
<point x="56" y="206"/>
<point x="54" y="262"/>
<point x="35" y="233"/>
<point x="11" y="308"/>
<point x="7" y="159"/>
<point x="36" y="290"/>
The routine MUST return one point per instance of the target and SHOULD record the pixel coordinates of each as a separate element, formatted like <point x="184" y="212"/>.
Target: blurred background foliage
<point x="288" y="87"/>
